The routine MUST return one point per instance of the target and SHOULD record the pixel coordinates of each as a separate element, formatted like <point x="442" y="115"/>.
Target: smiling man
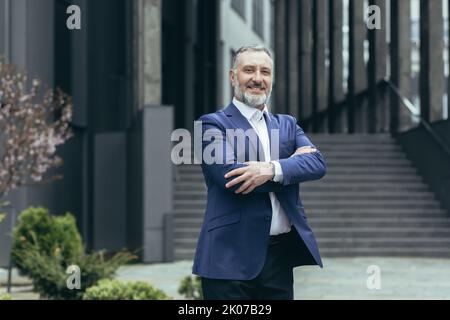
<point x="255" y="229"/>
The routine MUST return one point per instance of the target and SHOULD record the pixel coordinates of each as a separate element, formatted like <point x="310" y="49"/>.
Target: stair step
<point x="367" y="185"/>
<point x="341" y="202"/>
<point x="369" y="232"/>
<point x="318" y="141"/>
<point x="344" y="175"/>
<point x="384" y="172"/>
<point x="376" y="242"/>
<point x="346" y="143"/>
<point x="364" y="211"/>
<point x="345" y="203"/>
<point x="364" y="223"/>
<point x="365" y="137"/>
<point x="369" y="203"/>
<point x="314" y="214"/>
<point x="344" y="147"/>
<point x="344" y="211"/>
<point x="329" y="220"/>
<point x="348" y="243"/>
<point x="338" y="159"/>
<point x="184" y="254"/>
<point x="186" y="245"/>
<point x="187" y="233"/>
<point x="372" y="202"/>
<point x="375" y="195"/>
<point x="386" y="252"/>
<point x="393" y="188"/>
<point x="364" y="177"/>
<point x="336" y="154"/>
<point x="379" y="163"/>
<point x="344" y="223"/>
<point x="354" y="232"/>
<point x="325" y="187"/>
<point x="336" y="163"/>
<point x="338" y="195"/>
<point x="336" y="205"/>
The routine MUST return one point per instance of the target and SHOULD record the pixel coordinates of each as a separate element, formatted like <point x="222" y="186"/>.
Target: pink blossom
<point x="30" y="133"/>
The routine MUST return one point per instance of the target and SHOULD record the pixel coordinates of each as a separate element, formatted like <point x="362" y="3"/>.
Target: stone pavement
<point x="341" y="278"/>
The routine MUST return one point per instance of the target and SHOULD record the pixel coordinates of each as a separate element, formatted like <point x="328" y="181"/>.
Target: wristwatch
<point x="273" y="170"/>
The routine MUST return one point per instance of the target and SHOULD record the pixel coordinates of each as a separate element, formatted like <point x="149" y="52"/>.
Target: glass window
<point x="258" y="17"/>
<point x="239" y="7"/>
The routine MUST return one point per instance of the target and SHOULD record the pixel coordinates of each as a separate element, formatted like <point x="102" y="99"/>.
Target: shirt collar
<point x="249" y="112"/>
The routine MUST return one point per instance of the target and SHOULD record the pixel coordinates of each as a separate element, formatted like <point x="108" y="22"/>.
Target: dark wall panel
<point x="436" y="168"/>
<point x="109" y="206"/>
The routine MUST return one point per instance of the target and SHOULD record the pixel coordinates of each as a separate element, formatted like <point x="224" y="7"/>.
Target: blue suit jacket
<point x="234" y="237"/>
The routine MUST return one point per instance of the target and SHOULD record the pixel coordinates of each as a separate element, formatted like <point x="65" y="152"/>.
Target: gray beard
<point x="252" y="100"/>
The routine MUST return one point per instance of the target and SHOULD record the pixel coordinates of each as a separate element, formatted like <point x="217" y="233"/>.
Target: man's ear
<point x="232" y="76"/>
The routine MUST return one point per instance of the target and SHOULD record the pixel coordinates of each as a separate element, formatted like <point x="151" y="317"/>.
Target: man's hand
<point x="256" y="173"/>
<point x="252" y="175"/>
<point x="304" y="150"/>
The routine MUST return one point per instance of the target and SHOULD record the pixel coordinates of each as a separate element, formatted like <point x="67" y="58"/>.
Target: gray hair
<point x="257" y="48"/>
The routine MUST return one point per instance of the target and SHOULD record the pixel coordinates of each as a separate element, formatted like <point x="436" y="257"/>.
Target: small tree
<point x="34" y="120"/>
<point x="191" y="288"/>
<point x="44" y="246"/>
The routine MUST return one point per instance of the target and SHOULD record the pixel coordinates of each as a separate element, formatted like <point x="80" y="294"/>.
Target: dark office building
<point x="138" y="69"/>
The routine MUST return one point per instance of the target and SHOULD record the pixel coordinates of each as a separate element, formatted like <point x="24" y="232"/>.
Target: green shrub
<point x="44" y="246"/>
<point x="191" y="288"/>
<point x="117" y="290"/>
<point x="53" y="235"/>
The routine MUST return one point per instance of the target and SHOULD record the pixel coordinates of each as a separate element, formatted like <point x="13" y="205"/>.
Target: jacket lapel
<point x="274" y="131"/>
<point x="240" y="122"/>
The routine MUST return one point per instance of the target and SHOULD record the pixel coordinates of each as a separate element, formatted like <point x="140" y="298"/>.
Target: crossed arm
<point x="256" y="173"/>
<point x="306" y="163"/>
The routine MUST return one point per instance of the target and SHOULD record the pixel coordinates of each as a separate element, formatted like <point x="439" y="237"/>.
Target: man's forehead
<point x="255" y="58"/>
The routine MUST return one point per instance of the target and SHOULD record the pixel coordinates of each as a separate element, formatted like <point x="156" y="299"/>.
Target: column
<point x="335" y="90"/>
<point x="400" y="118"/>
<point x="431" y="59"/>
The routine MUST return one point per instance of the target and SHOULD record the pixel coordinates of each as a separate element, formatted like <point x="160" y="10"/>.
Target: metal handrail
<point x="410" y="107"/>
<point x="338" y="106"/>
<point x="405" y="102"/>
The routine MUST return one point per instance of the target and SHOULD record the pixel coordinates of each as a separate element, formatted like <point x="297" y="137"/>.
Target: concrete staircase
<point x="372" y="202"/>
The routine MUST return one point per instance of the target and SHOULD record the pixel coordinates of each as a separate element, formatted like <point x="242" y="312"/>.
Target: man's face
<point x="252" y="81"/>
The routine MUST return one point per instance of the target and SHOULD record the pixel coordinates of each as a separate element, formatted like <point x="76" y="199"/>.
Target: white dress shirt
<point x="280" y="222"/>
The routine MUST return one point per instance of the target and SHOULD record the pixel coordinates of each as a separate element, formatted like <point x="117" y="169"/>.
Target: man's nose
<point x="257" y="77"/>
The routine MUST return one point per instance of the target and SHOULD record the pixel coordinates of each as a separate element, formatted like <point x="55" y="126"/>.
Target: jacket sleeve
<point x="223" y="159"/>
<point x="305" y="167"/>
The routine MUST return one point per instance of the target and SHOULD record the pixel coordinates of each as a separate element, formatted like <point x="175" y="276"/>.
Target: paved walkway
<point x="341" y="278"/>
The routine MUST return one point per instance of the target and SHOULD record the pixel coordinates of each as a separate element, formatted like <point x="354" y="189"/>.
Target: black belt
<point x="279" y="238"/>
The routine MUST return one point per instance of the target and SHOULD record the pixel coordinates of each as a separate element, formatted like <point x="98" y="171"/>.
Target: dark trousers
<point x="275" y="282"/>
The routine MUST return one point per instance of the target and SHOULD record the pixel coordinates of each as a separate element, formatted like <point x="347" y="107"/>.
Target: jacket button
<point x="268" y="218"/>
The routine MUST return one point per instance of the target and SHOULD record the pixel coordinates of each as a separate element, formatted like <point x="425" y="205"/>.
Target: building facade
<point x="115" y="183"/>
<point x="136" y="70"/>
<point x="241" y="23"/>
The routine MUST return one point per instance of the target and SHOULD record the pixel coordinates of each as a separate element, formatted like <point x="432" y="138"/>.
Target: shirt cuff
<point x="278" y="177"/>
